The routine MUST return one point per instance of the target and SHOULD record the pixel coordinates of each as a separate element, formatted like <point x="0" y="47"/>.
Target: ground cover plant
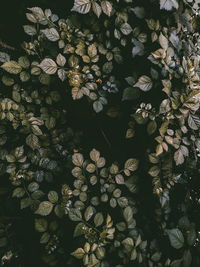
<point x="99" y="135"/>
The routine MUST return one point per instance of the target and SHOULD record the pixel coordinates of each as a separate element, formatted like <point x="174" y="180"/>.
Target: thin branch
<point x="6" y="46"/>
<point x="105" y="137"/>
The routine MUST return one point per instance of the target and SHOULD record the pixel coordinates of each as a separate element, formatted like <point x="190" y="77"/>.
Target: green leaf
<point x="75" y="215"/>
<point x="30" y="30"/>
<point x="90" y="168"/>
<point x="53" y="196"/>
<point x="12" y="67"/>
<point x="18" y="192"/>
<point x="48" y="66"/>
<point x="51" y="34"/>
<point x="41" y="225"/>
<point x="106" y="7"/>
<point x="176" y="238"/>
<point x="126" y="28"/>
<point x="144" y="83"/>
<point x="163" y="41"/>
<point x="25" y="202"/>
<point x="61" y="60"/>
<point x="32" y="141"/>
<point x="62" y="74"/>
<point x="79" y="229"/>
<point x="128" y="214"/>
<point x="82" y="6"/>
<point x="96" y="9"/>
<point x="168" y="4"/>
<point x="4" y="57"/>
<point x="98" y="219"/>
<point x="44" y="238"/>
<point x="119" y="179"/>
<point x="179" y="157"/>
<point x="194" y="122"/>
<point x="97" y="105"/>
<point x="44" y="208"/>
<point x="88" y="213"/>
<point x="151" y="127"/>
<point x="131" y="164"/>
<point x="130" y="93"/>
<point x="92" y="50"/>
<point x="77" y="159"/>
<point x="108" y="67"/>
<point x="78" y="253"/>
<point x="94" y="155"/>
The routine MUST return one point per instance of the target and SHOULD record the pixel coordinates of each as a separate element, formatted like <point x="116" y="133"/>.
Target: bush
<point x="131" y="62"/>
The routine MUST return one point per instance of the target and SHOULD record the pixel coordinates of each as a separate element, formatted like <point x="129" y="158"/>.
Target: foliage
<point x="144" y="55"/>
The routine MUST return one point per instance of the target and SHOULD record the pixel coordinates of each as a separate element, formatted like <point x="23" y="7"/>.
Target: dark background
<point x="94" y="127"/>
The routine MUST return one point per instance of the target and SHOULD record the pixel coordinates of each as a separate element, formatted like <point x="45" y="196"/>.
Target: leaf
<point x="151" y="127"/>
<point x="119" y="179"/>
<point x="130" y="93"/>
<point x="94" y="155"/>
<point x="92" y="50"/>
<point x="61" y="60"/>
<point x="106" y="7"/>
<point x="131" y="164"/>
<point x="30" y="30"/>
<point x="53" y="196"/>
<point x="48" y="66"/>
<point x="97" y="105"/>
<point x="176" y="238"/>
<point x="12" y="67"/>
<point x="39" y="15"/>
<point x="32" y="141"/>
<point x="88" y="213"/>
<point x="179" y="157"/>
<point x="4" y="57"/>
<point x="31" y="17"/>
<point x="25" y="202"/>
<point x="98" y="219"/>
<point x="193" y="122"/>
<point x="138" y="49"/>
<point x="168" y="4"/>
<point x="108" y="67"/>
<point x="77" y="159"/>
<point x="139" y="12"/>
<point x="128" y="243"/>
<point x="78" y="253"/>
<point x="144" y="83"/>
<point x="18" y="192"/>
<point x="101" y="162"/>
<point x="44" y="208"/>
<point x="96" y="9"/>
<point x="128" y="214"/>
<point x="44" y="238"/>
<point x="79" y="229"/>
<point x="51" y="34"/>
<point x="75" y="215"/>
<point x="62" y="74"/>
<point x="163" y="41"/>
<point x="154" y="171"/>
<point x="82" y="6"/>
<point x="41" y="225"/>
<point x="126" y="28"/>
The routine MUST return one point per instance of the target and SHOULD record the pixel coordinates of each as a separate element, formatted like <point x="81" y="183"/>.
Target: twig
<point x="6" y="46"/>
<point x="105" y="137"/>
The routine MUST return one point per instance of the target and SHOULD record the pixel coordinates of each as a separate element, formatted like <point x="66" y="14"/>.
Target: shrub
<point x="142" y="55"/>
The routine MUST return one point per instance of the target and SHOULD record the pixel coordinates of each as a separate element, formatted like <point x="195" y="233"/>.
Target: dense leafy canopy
<point x="88" y="56"/>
